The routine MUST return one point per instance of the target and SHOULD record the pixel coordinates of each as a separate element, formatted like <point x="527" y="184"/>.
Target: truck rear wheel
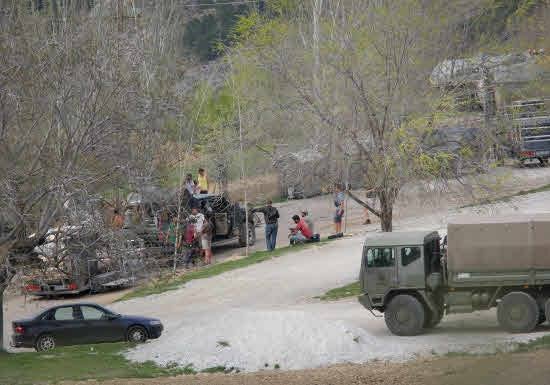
<point x="518" y="312"/>
<point x="405" y="315"/>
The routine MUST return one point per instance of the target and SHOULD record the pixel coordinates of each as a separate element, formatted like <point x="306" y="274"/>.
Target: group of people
<point x="199" y="185"/>
<point x="197" y="230"/>
<point x="193" y="237"/>
<point x="303" y="231"/>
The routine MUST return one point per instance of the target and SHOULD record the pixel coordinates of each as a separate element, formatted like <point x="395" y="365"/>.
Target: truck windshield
<point x="380" y="257"/>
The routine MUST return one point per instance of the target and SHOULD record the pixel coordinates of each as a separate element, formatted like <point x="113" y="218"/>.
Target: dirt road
<point x="501" y="369"/>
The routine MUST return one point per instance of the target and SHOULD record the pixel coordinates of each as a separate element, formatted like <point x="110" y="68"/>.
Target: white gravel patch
<point x="256" y="340"/>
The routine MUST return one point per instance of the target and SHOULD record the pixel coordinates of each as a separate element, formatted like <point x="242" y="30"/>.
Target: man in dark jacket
<point x="271" y="216"/>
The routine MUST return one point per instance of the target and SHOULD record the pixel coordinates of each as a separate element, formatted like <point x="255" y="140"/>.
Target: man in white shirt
<point x="190" y="185"/>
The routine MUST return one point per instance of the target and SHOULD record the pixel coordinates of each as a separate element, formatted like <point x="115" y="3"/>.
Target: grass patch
<point x="351" y="290"/>
<point x="214" y="369"/>
<point x="539" y="343"/>
<point x="508" y="198"/>
<point x="171" y="283"/>
<point x="76" y="363"/>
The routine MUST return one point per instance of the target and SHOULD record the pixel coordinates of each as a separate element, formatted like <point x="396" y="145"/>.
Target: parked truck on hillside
<point x="414" y="278"/>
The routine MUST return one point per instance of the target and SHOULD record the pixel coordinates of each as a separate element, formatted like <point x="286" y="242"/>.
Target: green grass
<point x="351" y="290"/>
<point x="516" y="347"/>
<point x="168" y="284"/>
<point x="103" y="361"/>
<point x="508" y="198"/>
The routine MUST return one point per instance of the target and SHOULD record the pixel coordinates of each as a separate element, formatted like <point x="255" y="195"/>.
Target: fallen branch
<point x="362" y="203"/>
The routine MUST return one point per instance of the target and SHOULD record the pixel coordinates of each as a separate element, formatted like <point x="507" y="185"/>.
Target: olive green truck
<point x="414" y="278"/>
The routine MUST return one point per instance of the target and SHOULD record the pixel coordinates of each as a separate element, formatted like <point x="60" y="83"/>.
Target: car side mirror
<point x="112" y="317"/>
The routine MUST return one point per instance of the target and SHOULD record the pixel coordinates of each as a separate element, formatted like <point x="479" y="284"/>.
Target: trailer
<point x="74" y="262"/>
<point x="415" y="278"/>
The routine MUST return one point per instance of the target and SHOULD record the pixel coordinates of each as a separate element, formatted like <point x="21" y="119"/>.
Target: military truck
<point x="414" y="278"/>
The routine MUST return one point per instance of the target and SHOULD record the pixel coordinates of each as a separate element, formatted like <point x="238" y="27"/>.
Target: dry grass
<point x="259" y="189"/>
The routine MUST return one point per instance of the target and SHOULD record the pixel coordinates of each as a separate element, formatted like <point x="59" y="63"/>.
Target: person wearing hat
<point x="271" y="216"/>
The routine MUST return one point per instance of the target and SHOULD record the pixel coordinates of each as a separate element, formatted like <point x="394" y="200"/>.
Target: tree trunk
<point x="2" y="318"/>
<point x="386" y="211"/>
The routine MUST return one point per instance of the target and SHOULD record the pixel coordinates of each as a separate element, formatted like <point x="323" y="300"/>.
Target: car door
<point x="66" y="327"/>
<point x="100" y="326"/>
<point x="380" y="270"/>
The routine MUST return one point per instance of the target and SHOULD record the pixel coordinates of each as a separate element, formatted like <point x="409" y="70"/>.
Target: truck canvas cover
<point x="499" y="244"/>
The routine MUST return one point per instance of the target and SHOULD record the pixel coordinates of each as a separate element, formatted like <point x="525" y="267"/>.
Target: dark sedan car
<point x="81" y="324"/>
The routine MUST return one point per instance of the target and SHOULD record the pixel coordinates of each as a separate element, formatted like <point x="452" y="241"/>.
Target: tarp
<point x="510" y="68"/>
<point x="499" y="244"/>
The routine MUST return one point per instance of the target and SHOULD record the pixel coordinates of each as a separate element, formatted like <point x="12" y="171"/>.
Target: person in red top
<point x="301" y="232"/>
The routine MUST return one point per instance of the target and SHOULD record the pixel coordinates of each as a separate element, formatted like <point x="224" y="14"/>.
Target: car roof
<point x="73" y="304"/>
<point x="398" y="238"/>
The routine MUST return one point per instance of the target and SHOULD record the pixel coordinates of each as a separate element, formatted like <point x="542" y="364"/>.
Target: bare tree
<point x="375" y="103"/>
<point x="65" y="104"/>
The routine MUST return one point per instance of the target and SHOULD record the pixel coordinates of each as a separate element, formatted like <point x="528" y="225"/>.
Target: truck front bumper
<point x="364" y="299"/>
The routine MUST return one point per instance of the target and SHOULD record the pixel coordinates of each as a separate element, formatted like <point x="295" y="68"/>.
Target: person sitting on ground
<point x="301" y="232"/>
<point x="308" y="220"/>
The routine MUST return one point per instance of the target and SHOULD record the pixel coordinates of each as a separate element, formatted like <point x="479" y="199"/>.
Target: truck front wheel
<point x="405" y="315"/>
<point x="518" y="312"/>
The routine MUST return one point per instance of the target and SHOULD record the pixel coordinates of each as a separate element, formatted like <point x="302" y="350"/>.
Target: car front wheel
<point x="45" y="343"/>
<point x="137" y="334"/>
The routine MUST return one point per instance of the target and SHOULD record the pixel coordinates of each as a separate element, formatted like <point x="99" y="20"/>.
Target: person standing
<point x="200" y="221"/>
<point x="202" y="181"/>
<point x="190" y="185"/>
<point x="370" y="195"/>
<point x="271" y="217"/>
<point x="206" y="240"/>
<point x="118" y="220"/>
<point x="339" y="198"/>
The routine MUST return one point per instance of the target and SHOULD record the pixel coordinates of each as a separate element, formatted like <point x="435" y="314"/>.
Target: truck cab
<point x="400" y="264"/>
